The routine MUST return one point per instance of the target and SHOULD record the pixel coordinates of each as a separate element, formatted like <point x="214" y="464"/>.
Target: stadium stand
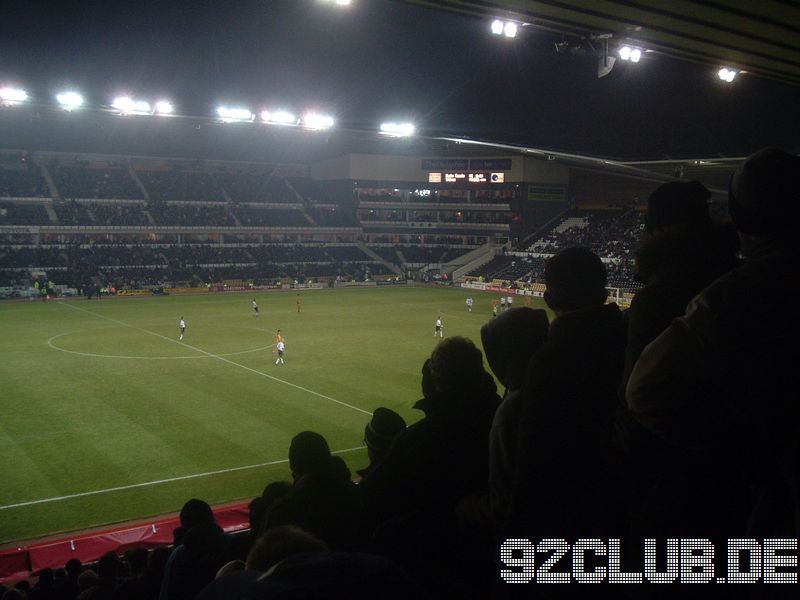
<point x="90" y="181"/>
<point x="17" y="213"/>
<point x="192" y="186"/>
<point x="727" y="387"/>
<point x="22" y="180"/>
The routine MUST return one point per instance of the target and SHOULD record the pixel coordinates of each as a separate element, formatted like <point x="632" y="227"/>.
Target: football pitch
<point x="108" y="417"/>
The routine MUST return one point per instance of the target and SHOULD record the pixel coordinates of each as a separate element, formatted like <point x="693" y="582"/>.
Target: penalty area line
<point x="159" y="482"/>
<point x="222" y="358"/>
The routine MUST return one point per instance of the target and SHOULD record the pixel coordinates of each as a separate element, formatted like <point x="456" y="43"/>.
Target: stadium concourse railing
<point x="22" y="562"/>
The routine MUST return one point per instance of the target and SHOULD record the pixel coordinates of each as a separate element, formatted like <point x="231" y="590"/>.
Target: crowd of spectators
<point x="333" y="217"/>
<point x="608" y="233"/>
<point x="260" y="188"/>
<point x="17" y="213"/>
<point x="96" y="182"/>
<point x="176" y="184"/>
<point x="191" y="215"/>
<point x="260" y="217"/>
<point x="72" y="212"/>
<point x="23" y="180"/>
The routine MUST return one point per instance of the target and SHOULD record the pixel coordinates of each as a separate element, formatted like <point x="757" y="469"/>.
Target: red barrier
<point x="14" y="564"/>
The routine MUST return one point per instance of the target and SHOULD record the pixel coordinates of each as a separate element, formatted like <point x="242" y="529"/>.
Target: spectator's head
<point x="46" y="577"/>
<point x="108" y="568"/>
<point x="73" y="567"/>
<point x="87" y="579"/>
<point x="308" y="453"/>
<point x="575" y="279"/>
<point x="384" y="426"/>
<point x="280" y="543"/>
<point x="456" y="368"/>
<point x="678" y="203"/>
<point x="510" y="339"/>
<point x="763" y="194"/>
<point x="259" y="506"/>
<point x="196" y="512"/>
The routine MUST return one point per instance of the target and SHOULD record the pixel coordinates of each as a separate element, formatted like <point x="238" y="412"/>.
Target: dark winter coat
<point x="721" y="385"/>
<point x="675" y="265"/>
<point x="568" y="403"/>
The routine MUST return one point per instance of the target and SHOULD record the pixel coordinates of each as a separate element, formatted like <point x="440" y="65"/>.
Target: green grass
<point x="100" y="394"/>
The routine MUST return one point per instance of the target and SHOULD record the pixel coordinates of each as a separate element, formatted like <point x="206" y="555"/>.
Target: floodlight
<point x="343" y="2"/>
<point x="9" y="95"/>
<point x="510" y="30"/>
<point x="231" y="115"/>
<point x="164" y="107"/>
<point x="317" y="121"/>
<point x="726" y="74"/>
<point x="128" y="106"/>
<point x="636" y="54"/>
<point x="625" y="52"/>
<point x="69" y="101"/>
<point x="397" y="129"/>
<point x="278" y="117"/>
<point x="497" y="27"/>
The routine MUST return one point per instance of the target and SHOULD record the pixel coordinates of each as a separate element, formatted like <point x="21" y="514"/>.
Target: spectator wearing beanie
<point x="323" y="501"/>
<point x="720" y="384"/>
<point x="682" y="253"/>
<point x="379" y="434"/>
<point x="568" y="400"/>
<point x="204" y="548"/>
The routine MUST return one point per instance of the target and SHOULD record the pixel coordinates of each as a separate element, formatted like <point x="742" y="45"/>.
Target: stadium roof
<point x="761" y="38"/>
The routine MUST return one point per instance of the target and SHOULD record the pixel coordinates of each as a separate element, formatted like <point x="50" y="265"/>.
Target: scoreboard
<point x="466" y="177"/>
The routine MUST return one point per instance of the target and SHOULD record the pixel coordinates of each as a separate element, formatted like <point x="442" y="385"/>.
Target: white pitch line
<point x="222" y="358"/>
<point x="158" y="482"/>
<point x="93" y="355"/>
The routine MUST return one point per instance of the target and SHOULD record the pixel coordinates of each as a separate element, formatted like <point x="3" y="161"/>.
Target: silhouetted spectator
<point x="682" y="253"/>
<point x="259" y="506"/>
<point x="568" y="402"/>
<point x="106" y="583"/>
<point x="445" y="455"/>
<point x="435" y="462"/>
<point x="379" y="435"/>
<point x="509" y="341"/>
<point x="720" y="384"/>
<point x="323" y="500"/>
<point x="194" y="563"/>
<point x="134" y="586"/>
<point x="43" y="590"/>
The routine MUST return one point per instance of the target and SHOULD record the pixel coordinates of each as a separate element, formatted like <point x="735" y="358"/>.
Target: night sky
<point x="379" y="60"/>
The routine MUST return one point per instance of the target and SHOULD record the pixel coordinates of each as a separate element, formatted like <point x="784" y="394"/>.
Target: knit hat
<point x="677" y="203"/>
<point x="764" y="192"/>
<point x="308" y="453"/>
<point x="384" y="426"/>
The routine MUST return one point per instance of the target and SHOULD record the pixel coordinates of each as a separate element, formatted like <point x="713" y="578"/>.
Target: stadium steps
<point x="233" y="216"/>
<point x="139" y="184"/>
<point x="539" y="231"/>
<point x="308" y="217"/>
<point x="51" y="184"/>
<point x="471" y="260"/>
<point x="377" y="257"/>
<point x="51" y="212"/>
